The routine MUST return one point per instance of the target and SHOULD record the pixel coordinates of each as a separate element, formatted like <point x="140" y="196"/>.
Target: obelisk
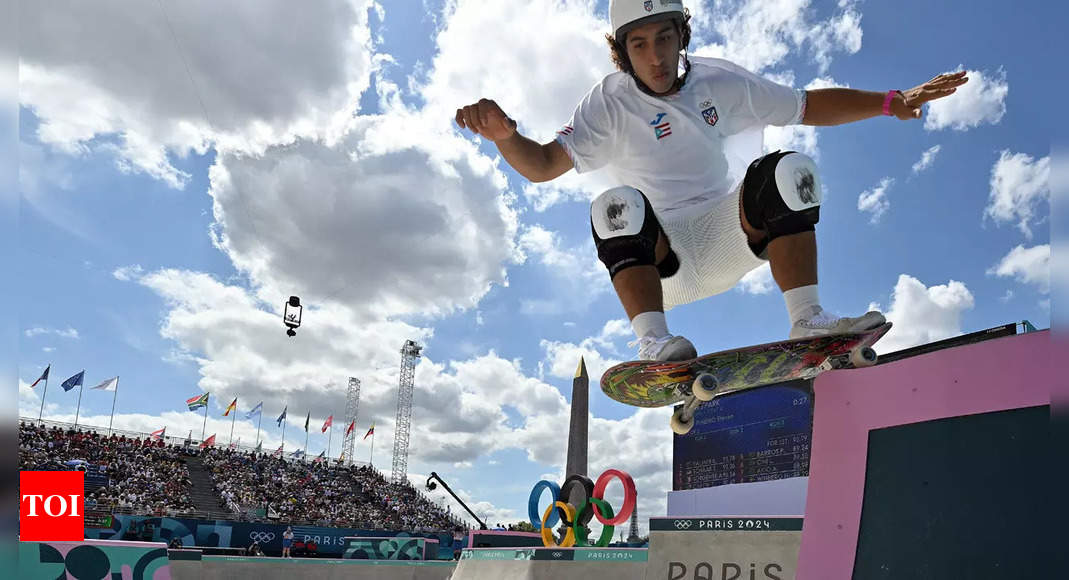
<point x="577" y="432"/>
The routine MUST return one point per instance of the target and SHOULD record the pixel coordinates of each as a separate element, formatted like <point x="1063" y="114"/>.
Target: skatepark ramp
<point x="926" y="466"/>
<point x="929" y="466"/>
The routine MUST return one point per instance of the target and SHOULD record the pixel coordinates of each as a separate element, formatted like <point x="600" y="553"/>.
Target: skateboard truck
<point x="701" y="390"/>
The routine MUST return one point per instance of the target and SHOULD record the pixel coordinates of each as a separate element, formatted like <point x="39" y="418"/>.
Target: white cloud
<point x="923" y="314"/>
<point x="1027" y="266"/>
<point x="128" y="273"/>
<point x="241" y="76"/>
<point x="758" y="281"/>
<point x="541" y="95"/>
<point x="982" y="100"/>
<point x="402" y="217"/>
<point x="562" y="358"/>
<point x="758" y="35"/>
<point x="875" y="200"/>
<point x="927" y="158"/>
<point x="38" y="331"/>
<point x="1019" y="188"/>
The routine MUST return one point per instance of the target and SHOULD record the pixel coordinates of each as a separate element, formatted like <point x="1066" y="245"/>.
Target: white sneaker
<point x="664" y="348"/>
<point x="820" y="322"/>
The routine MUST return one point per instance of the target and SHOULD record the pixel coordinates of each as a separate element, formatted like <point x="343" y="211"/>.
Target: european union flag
<point x="75" y="381"/>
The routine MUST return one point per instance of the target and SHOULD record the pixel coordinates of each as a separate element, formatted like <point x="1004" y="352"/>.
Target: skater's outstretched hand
<point x="909" y="106"/>
<point x="487" y="119"/>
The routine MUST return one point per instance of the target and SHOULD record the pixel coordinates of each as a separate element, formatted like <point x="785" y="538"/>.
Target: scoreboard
<point x="755" y="435"/>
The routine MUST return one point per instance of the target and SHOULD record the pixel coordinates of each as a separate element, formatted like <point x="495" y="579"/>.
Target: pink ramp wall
<point x="995" y="375"/>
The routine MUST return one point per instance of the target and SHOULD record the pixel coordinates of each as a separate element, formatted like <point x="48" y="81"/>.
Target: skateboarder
<point x="697" y="207"/>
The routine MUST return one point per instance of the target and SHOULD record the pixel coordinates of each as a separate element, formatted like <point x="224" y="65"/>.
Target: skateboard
<point x="694" y="381"/>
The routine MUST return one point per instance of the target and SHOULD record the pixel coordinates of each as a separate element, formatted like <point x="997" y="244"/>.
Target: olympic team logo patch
<point x="710" y="116"/>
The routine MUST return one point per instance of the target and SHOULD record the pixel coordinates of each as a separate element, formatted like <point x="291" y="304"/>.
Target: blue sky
<point x="177" y="187"/>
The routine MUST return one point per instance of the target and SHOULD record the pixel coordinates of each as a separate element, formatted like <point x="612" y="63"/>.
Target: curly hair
<point x="619" y="51"/>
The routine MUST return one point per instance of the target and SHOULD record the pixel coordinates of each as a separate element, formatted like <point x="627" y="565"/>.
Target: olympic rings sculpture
<point x="576" y="517"/>
<point x="261" y="536"/>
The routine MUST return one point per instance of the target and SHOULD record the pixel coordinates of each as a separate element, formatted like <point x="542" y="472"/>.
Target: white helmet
<point x="626" y="15"/>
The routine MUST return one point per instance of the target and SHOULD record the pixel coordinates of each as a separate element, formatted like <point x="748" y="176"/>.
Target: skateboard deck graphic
<point x="657" y="384"/>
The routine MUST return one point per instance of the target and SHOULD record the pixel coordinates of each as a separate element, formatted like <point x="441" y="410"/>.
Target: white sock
<point x="650" y="323"/>
<point x="800" y="301"/>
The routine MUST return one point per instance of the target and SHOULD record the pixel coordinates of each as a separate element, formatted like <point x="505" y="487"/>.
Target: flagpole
<point x="42" y="411"/>
<point x="305" y="445"/>
<point x="113" y="397"/>
<point x="371" y="459"/>
<point x="81" y="385"/>
<point x="285" y="420"/>
<point x="203" y="427"/>
<point x="330" y="436"/>
<point x="232" y="419"/>
<point x="258" y="425"/>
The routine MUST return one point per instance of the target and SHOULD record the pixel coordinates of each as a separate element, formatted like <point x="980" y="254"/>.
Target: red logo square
<point x="51" y="506"/>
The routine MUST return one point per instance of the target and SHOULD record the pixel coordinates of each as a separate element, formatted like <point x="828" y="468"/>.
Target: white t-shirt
<point x="687" y="148"/>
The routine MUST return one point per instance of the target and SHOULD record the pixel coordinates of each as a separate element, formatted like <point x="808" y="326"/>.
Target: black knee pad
<point x="625" y="232"/>
<point x="781" y="194"/>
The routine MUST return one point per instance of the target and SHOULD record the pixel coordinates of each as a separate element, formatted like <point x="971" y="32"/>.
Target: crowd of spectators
<point x="140" y="474"/>
<point x="150" y="477"/>
<point x="322" y="492"/>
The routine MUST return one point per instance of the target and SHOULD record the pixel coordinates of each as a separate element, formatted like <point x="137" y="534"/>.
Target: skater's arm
<point x="836" y="106"/>
<point x="531" y="160"/>
<point x="827" y="107"/>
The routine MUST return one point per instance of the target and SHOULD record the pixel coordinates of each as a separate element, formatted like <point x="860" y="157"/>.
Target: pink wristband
<point x="887" y="102"/>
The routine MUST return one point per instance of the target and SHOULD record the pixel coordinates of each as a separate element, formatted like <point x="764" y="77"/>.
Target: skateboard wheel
<point x="704" y="388"/>
<point x="679" y="426"/>
<point x="863" y="357"/>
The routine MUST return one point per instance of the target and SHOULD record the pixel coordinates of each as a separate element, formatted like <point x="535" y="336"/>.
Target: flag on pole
<point x="208" y="441"/>
<point x="43" y="377"/>
<point x="197" y="402"/>
<point x="108" y="385"/>
<point x="349" y="429"/>
<point x="322" y="455"/>
<point x="231" y="407"/>
<point x="282" y="417"/>
<point x="306" y="419"/>
<point x="75" y="381"/>
<point x="278" y="452"/>
<point x="259" y="447"/>
<point x="370" y="431"/>
<point x="258" y="409"/>
<point x="297" y="453"/>
<point x="330" y="421"/>
<point x="157" y="435"/>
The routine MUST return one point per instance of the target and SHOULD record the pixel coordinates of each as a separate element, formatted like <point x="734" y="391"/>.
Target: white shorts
<point x="713" y="251"/>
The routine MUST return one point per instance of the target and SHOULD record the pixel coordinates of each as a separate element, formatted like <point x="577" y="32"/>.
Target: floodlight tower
<point x="410" y="352"/>
<point x="352" y="408"/>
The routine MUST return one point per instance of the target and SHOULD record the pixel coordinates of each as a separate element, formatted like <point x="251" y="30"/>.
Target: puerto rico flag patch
<point x="710" y="116"/>
<point x="661" y="128"/>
